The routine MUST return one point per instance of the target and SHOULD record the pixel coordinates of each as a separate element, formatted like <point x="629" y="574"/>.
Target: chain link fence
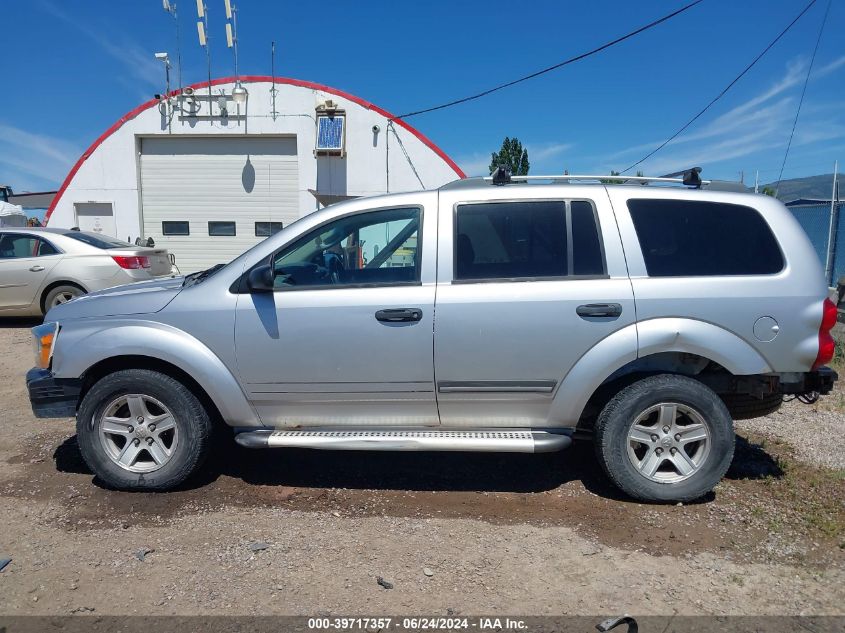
<point x="815" y="220"/>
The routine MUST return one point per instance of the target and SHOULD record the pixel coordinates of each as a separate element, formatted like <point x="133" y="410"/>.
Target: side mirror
<point x="151" y="242"/>
<point x="261" y="279"/>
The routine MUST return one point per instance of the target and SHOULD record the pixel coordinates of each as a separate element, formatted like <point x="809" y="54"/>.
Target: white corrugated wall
<point x="216" y="179"/>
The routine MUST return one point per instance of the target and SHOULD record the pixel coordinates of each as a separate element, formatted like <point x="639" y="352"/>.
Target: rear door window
<point x="516" y="240"/>
<point x="686" y="238"/>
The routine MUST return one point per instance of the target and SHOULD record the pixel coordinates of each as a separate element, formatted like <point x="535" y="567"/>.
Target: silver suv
<point x="488" y="315"/>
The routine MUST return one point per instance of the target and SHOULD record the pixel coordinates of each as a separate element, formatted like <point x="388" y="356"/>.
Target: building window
<point x="265" y="229"/>
<point x="221" y="229"/>
<point x="685" y="238"/>
<point x="175" y="228"/>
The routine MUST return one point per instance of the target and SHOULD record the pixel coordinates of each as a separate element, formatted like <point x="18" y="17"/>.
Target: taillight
<point x="131" y="262"/>
<point x="826" y="343"/>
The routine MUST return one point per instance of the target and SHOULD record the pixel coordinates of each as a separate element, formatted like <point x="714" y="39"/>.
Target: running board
<point x="505" y="441"/>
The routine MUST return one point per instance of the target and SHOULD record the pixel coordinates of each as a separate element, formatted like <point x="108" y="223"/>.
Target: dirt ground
<point x="308" y="532"/>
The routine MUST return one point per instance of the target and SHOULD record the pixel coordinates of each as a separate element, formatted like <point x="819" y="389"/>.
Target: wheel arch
<point x="42" y="299"/>
<point x="94" y="350"/>
<point x="136" y="361"/>
<point x="668" y="345"/>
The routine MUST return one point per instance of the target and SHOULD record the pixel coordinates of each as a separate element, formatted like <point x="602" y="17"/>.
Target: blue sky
<point x="73" y="67"/>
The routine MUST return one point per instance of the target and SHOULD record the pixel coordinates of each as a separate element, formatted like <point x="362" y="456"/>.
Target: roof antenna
<point x="273" y="90"/>
<point x="501" y="175"/>
<point x="202" y="33"/>
<point x="239" y="93"/>
<point x="170" y="7"/>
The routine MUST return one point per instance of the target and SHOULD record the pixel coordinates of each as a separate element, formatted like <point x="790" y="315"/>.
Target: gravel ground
<point x="308" y="532"/>
<point x="815" y="433"/>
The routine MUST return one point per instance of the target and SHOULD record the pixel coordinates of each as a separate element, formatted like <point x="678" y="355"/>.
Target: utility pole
<point x="831" y="230"/>
<point x="757" y="181"/>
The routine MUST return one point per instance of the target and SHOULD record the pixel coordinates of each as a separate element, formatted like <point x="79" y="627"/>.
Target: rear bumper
<point x="52" y="397"/>
<point x="820" y="380"/>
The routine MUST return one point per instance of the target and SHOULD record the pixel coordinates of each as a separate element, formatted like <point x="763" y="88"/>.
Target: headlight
<point x="43" y="340"/>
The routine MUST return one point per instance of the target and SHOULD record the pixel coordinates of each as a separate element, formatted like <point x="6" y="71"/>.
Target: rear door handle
<point x="599" y="310"/>
<point x="395" y="315"/>
<point x="36" y="269"/>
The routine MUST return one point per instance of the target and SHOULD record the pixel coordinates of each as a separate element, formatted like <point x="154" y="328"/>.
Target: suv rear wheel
<point x="665" y="438"/>
<point x="142" y="430"/>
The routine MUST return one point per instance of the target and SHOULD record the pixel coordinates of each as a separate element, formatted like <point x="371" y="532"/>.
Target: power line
<point x="556" y="66"/>
<point x="801" y="100"/>
<point x="721" y="94"/>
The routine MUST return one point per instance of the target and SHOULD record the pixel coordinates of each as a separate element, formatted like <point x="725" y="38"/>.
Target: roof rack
<point x="688" y="178"/>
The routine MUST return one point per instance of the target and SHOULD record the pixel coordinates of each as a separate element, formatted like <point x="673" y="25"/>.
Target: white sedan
<point x="43" y="267"/>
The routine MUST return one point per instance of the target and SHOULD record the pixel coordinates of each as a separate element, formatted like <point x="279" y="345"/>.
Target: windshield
<point x="98" y="241"/>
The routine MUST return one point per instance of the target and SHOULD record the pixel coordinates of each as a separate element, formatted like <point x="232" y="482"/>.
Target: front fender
<point x="81" y="345"/>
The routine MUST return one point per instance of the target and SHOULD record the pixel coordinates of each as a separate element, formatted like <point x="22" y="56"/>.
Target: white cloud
<point x="760" y="123"/>
<point x="541" y="154"/>
<point x="475" y="164"/>
<point x="33" y="161"/>
<point x="138" y="61"/>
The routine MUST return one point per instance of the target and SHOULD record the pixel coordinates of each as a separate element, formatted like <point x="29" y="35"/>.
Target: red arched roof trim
<point x="246" y="79"/>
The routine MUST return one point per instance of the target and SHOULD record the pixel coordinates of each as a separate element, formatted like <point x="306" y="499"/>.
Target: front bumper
<point x="52" y="397"/>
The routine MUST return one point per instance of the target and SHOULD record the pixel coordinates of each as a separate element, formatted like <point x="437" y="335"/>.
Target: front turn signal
<point x="44" y="340"/>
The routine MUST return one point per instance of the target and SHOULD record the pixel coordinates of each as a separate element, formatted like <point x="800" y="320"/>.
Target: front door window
<point x="377" y="248"/>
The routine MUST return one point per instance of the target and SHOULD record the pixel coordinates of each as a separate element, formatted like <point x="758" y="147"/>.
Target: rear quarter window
<point x="685" y="238"/>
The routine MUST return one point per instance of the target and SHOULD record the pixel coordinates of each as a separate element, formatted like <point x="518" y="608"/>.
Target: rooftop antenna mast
<point x="239" y="93"/>
<point x="202" y="32"/>
<point x="273" y="90"/>
<point x="170" y="7"/>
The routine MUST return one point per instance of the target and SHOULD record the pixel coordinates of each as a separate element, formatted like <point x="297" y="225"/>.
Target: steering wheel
<point x="334" y="265"/>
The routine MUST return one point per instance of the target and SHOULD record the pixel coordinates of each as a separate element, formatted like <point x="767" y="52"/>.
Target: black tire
<point x="62" y="290"/>
<point x="619" y="415"/>
<point x="744" y="407"/>
<point x="192" y="423"/>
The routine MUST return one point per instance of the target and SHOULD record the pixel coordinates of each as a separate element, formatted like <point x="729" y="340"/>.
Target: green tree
<point x="768" y="191"/>
<point x="513" y="156"/>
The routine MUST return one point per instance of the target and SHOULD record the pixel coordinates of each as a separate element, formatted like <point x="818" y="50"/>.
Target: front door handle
<point x="599" y="310"/>
<point x="396" y="315"/>
<point x="36" y="269"/>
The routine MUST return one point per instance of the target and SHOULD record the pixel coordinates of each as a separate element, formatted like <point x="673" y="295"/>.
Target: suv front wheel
<point x="665" y="438"/>
<point x="142" y="430"/>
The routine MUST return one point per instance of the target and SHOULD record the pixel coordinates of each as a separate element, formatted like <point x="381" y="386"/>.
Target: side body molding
<point x="83" y="346"/>
<point x="644" y="339"/>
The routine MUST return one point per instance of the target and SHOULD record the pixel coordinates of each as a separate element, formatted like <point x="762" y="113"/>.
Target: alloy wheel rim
<point x="668" y="442"/>
<point x="62" y="297"/>
<point x="138" y="433"/>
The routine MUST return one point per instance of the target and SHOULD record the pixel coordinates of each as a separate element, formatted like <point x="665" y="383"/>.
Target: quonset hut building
<point x="207" y="176"/>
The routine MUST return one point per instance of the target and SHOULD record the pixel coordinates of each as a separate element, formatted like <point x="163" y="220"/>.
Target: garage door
<point x="207" y="200"/>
